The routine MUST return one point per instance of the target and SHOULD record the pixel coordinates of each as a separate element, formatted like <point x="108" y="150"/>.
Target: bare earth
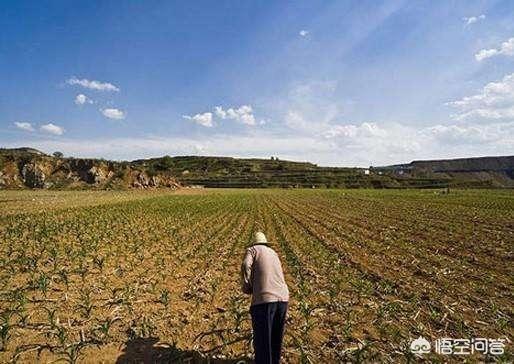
<point x="101" y="276"/>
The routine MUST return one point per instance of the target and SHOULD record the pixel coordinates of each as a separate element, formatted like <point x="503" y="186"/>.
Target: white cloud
<point x="359" y="145"/>
<point x="364" y="130"/>
<point x="52" y="129"/>
<point x="24" y="125"/>
<point x="506" y="48"/>
<point x="92" y="84"/>
<point x="485" y="53"/>
<point x="304" y="33"/>
<point x="377" y="142"/>
<point x="473" y="19"/>
<point x="401" y="142"/>
<point x="82" y="99"/>
<point x="487" y="113"/>
<point x="261" y="145"/>
<point x="218" y="110"/>
<point x="116" y="114"/>
<point x="313" y="112"/>
<point x="295" y="120"/>
<point x="204" y="119"/>
<point x="243" y="114"/>
<point x="463" y="134"/>
<point x="495" y="102"/>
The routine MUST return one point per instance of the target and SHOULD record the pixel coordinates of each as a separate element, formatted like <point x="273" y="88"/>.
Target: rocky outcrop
<point x="96" y="175"/>
<point x="143" y="179"/>
<point x="154" y="181"/>
<point x="140" y="180"/>
<point x="25" y="168"/>
<point x="33" y="176"/>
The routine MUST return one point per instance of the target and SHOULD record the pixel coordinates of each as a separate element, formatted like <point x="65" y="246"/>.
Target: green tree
<point x="164" y="163"/>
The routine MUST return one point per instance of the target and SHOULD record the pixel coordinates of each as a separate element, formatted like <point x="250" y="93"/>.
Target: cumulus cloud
<point x="312" y="112"/>
<point x="242" y="114"/>
<point x="397" y="142"/>
<point x="52" y="129"/>
<point x="485" y="53"/>
<point x="473" y="19"/>
<point x="495" y="101"/>
<point x="304" y="33"/>
<point x="462" y="134"/>
<point x="506" y="49"/>
<point x="24" y="125"/>
<point x="116" y="114"/>
<point x="82" y="99"/>
<point x="204" y="119"/>
<point x="92" y="84"/>
<point x="364" y="130"/>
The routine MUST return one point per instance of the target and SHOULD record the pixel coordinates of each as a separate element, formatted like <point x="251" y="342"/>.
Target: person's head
<point x="260" y="238"/>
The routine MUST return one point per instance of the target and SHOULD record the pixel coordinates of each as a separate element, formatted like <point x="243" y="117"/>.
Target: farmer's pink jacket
<point x="262" y="276"/>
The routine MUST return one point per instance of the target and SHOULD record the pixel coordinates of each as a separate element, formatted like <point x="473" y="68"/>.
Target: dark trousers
<point x="268" y="321"/>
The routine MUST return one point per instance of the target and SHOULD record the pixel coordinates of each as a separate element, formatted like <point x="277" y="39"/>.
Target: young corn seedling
<point x="64" y="277"/>
<point x="83" y="272"/>
<point x="20" y="300"/>
<point x="143" y="329"/>
<point x="86" y="304"/>
<point x="104" y="328"/>
<point x="52" y="317"/>
<point x="5" y="330"/>
<point x="305" y="355"/>
<point x="240" y="312"/>
<point x="99" y="262"/>
<point x="54" y="255"/>
<point x="164" y="297"/>
<point x="43" y="282"/>
<point x="71" y="353"/>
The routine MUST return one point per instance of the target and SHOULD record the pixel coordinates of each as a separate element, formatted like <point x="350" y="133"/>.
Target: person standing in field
<point x="262" y="277"/>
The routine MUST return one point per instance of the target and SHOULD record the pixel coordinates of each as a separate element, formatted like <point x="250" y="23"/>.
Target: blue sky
<point x="337" y="83"/>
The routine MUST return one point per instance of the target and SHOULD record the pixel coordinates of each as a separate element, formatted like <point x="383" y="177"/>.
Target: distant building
<point x="366" y="172"/>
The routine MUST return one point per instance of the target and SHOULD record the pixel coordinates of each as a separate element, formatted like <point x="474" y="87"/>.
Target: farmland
<point x="99" y="276"/>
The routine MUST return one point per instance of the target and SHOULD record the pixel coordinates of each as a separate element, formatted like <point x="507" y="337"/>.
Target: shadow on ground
<point x="150" y="350"/>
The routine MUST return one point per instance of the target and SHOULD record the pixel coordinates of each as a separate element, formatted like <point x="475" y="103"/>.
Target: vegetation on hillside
<point x="27" y="167"/>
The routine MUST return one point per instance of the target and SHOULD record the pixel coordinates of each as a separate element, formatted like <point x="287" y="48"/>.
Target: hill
<point x="27" y="167"/>
<point x="479" y="172"/>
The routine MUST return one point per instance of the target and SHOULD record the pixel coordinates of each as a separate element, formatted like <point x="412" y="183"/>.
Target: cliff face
<point x="27" y="168"/>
